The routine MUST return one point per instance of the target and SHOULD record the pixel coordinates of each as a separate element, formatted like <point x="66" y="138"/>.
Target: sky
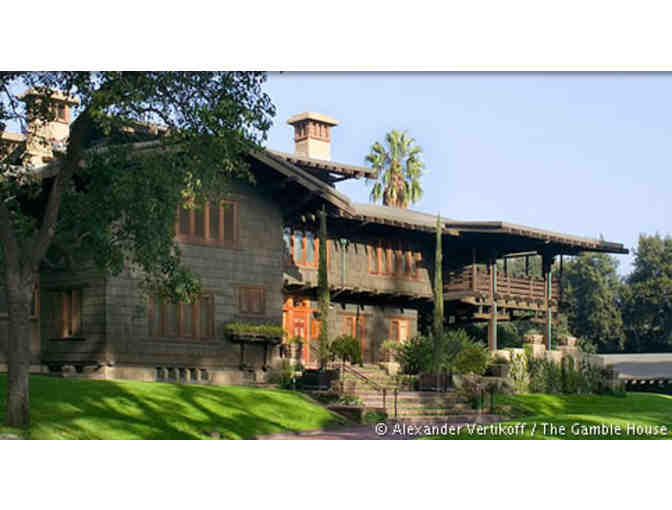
<point x="587" y="154"/>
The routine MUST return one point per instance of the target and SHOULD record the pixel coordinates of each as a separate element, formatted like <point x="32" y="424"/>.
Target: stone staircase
<point x="409" y="406"/>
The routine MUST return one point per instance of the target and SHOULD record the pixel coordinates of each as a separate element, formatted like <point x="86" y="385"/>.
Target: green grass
<point x="84" y="409"/>
<point x="645" y="409"/>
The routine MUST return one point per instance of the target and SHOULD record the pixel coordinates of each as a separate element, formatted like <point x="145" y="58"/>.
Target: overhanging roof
<point x="325" y="167"/>
<point x="415" y="220"/>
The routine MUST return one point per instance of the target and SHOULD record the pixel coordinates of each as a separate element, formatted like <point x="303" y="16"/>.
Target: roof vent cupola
<point x="312" y="134"/>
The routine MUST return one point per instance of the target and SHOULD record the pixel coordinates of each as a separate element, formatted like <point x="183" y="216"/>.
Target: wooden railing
<point x="477" y="279"/>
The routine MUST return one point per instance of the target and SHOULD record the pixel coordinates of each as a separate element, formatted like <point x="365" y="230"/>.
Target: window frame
<point x="399" y="321"/>
<point x="206" y="239"/>
<point x="316" y="247"/>
<point x="398" y="256"/>
<point x="159" y="307"/>
<point x="254" y="288"/>
<point x="66" y="313"/>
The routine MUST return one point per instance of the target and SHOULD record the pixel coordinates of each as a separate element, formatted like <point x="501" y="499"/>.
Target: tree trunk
<point x="19" y="295"/>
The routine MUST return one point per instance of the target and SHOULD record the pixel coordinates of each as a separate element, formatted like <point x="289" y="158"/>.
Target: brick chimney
<point x="312" y="134"/>
<point x="45" y="135"/>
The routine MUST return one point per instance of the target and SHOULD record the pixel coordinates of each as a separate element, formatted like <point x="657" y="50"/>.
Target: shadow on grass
<point x="83" y="409"/>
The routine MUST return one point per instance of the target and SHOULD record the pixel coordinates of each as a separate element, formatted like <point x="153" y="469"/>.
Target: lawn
<point x="84" y="409"/>
<point x="582" y="416"/>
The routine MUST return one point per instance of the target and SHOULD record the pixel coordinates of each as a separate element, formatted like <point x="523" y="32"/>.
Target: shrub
<point x="389" y="349"/>
<point x="519" y="373"/>
<point x="415" y="355"/>
<point x="346" y="348"/>
<point x="241" y="328"/>
<point x="472" y="358"/>
<point x="285" y="377"/>
<point x="371" y="417"/>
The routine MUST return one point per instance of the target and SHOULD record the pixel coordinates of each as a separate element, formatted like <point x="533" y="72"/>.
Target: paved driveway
<point x="641" y="365"/>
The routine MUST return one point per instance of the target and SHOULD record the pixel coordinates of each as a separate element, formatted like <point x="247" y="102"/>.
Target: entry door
<point x="300" y="329"/>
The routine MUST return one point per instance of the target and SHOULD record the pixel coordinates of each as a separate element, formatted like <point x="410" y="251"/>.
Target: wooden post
<point x="561" y="289"/>
<point x="548" y="273"/>
<point x="473" y="269"/>
<point x="492" y="324"/>
<point x="527" y="266"/>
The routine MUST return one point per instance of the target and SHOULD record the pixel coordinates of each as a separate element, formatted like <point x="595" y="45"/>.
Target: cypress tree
<point x="438" y="281"/>
<point x="323" y="290"/>
<point x="438" y="296"/>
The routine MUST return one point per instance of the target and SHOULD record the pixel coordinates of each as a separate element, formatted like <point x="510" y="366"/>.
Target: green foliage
<point x="472" y="358"/>
<point x="438" y="353"/>
<point x="349" y="400"/>
<point x="592" y="290"/>
<point x="647" y="298"/>
<point x="323" y="291"/>
<point x="346" y="348"/>
<point x="398" y="170"/>
<point x="540" y="375"/>
<point x="266" y="330"/>
<point x="371" y="417"/>
<point x="415" y="355"/>
<point x="389" y="348"/>
<point x="285" y="377"/>
<point x="519" y="372"/>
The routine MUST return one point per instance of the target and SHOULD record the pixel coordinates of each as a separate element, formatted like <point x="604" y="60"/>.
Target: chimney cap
<point x="319" y="117"/>
<point x="55" y="96"/>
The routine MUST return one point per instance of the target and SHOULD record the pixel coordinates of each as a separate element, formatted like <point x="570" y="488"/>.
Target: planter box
<point x="318" y="379"/>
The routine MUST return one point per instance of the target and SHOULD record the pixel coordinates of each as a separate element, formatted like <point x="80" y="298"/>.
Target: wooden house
<point x="257" y="256"/>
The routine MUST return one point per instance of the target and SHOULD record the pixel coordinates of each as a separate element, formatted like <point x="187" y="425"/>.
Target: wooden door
<point x="300" y="329"/>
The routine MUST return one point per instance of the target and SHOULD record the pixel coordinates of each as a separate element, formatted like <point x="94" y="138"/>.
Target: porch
<point x="478" y="285"/>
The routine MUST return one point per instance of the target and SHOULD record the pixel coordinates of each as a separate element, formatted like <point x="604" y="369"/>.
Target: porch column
<point x="547" y="265"/>
<point x="492" y="323"/>
<point x="474" y="275"/>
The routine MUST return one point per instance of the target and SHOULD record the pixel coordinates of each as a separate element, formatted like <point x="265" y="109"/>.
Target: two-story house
<point x="257" y="256"/>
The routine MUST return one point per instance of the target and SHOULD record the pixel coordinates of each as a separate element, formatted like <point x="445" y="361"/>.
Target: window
<point x="349" y="326"/>
<point x="393" y="259"/>
<point x="303" y="247"/>
<point x="399" y="330"/>
<point x="252" y="300"/>
<point x="187" y="320"/>
<point x="208" y="224"/>
<point x="66" y="307"/>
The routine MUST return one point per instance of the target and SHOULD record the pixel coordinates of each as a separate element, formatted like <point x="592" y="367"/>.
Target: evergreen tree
<point x="323" y="290"/>
<point x="647" y="296"/>
<point x="438" y="293"/>
<point x="592" y="296"/>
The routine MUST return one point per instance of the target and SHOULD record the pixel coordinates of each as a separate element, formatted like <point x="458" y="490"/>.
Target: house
<point x="257" y="255"/>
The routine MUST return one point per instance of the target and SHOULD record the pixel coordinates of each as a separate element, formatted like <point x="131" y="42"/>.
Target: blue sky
<point x="579" y="153"/>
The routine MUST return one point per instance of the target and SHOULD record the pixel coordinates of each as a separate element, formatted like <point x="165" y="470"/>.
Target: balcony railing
<point x="478" y="280"/>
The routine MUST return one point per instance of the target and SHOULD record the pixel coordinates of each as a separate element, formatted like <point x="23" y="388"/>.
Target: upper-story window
<point x="302" y="246"/>
<point x="209" y="223"/>
<point x="393" y="259"/>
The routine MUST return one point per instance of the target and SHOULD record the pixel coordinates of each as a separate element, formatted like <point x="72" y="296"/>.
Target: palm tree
<point x="398" y="170"/>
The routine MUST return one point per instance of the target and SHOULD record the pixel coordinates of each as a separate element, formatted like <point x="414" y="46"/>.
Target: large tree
<point x="104" y="195"/>
<point x="398" y="168"/>
<point x="647" y="297"/>
<point x="592" y="296"/>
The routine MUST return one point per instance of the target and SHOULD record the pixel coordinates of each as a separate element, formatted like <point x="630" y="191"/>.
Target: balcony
<point x="474" y="283"/>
